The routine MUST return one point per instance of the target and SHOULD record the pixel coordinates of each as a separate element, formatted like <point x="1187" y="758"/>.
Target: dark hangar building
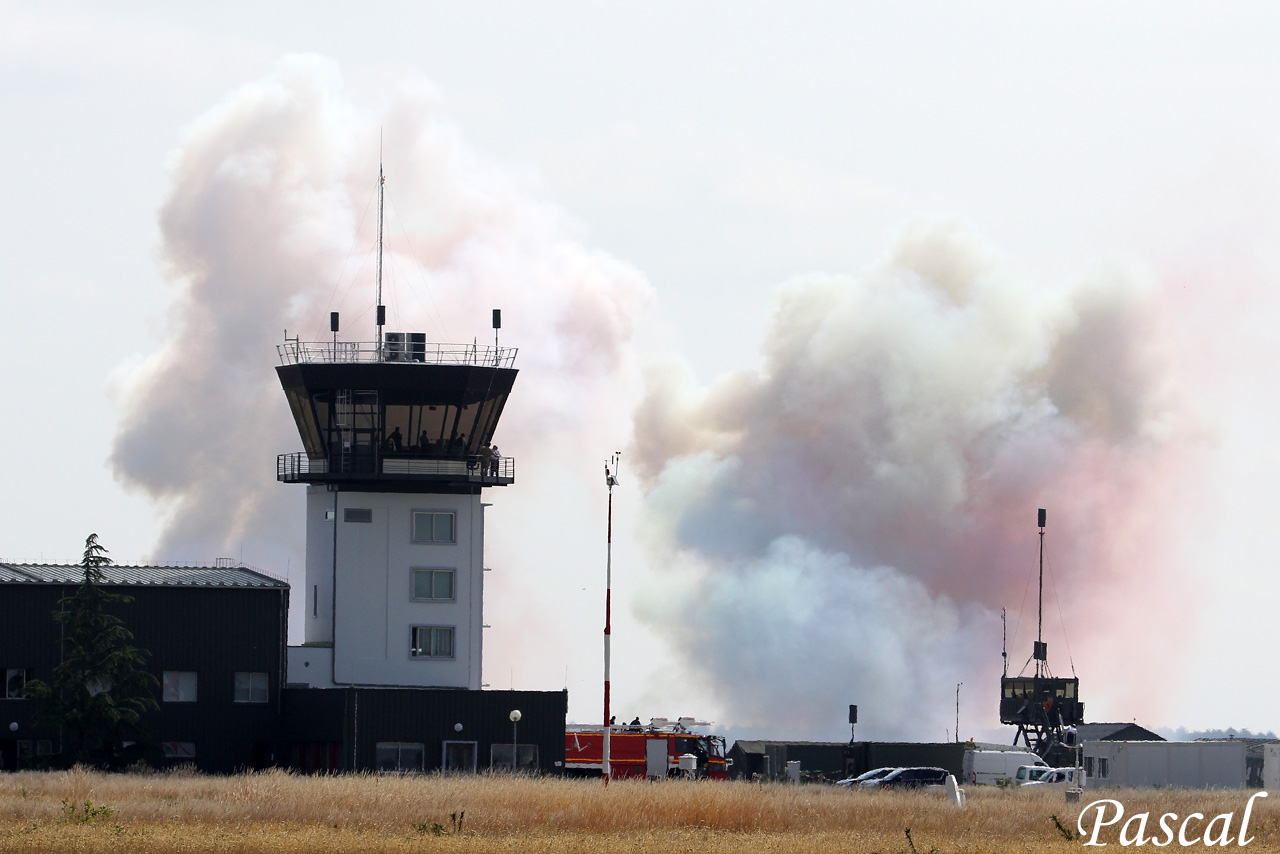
<point x="214" y="634"/>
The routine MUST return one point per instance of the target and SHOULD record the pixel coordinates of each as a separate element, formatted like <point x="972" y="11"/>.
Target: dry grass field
<point x="280" y="812"/>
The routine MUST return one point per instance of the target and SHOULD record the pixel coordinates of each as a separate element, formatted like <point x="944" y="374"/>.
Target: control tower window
<point x="433" y="584"/>
<point x="432" y="642"/>
<point x="437" y="429"/>
<point x="433" y="526"/>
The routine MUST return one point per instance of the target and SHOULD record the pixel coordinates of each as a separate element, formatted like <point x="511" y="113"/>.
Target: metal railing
<point x="330" y="352"/>
<point x="295" y="468"/>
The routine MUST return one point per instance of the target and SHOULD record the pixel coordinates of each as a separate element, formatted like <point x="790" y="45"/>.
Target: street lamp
<point x="515" y="720"/>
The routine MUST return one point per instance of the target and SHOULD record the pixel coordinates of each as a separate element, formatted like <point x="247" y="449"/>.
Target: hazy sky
<point x="731" y="221"/>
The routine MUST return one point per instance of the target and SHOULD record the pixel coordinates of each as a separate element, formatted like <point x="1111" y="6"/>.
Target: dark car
<point x="911" y="778"/>
<point x="874" y="774"/>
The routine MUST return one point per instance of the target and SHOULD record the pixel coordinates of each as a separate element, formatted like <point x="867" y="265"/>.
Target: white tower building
<point x="395" y="436"/>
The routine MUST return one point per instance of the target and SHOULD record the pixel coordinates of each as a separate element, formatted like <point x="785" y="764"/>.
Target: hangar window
<point x="458" y="756"/>
<point x="178" y="749"/>
<point x="251" y="687"/>
<point x="399" y="756"/>
<point x="179" y="686"/>
<point x="526" y="756"/>
<point x="15" y="680"/>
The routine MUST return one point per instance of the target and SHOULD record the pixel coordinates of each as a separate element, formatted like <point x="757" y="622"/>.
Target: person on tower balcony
<point x="493" y="461"/>
<point x="486" y="457"/>
<point x="396" y="440"/>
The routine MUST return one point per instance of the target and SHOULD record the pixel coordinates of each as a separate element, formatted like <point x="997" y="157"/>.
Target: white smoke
<point x="270" y="191"/>
<point x="847" y="523"/>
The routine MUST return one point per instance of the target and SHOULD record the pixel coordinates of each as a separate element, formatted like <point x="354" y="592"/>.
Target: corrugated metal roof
<point x="160" y="576"/>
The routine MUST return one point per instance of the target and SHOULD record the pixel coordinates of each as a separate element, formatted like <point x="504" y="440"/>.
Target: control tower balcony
<point x="398" y="348"/>
<point x="402" y="414"/>
<point x="299" y="468"/>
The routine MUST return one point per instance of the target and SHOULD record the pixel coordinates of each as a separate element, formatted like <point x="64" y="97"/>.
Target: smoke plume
<point x="845" y="524"/>
<point x="270" y="192"/>
<point x="840" y="526"/>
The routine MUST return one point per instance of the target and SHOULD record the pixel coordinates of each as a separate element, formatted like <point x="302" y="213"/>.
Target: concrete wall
<point x="359" y="588"/>
<point x="1271" y="766"/>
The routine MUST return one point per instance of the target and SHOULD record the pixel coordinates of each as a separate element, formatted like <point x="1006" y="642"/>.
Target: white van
<point x="988" y="767"/>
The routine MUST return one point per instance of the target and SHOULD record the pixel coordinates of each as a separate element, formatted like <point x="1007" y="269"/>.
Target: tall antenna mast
<point x="382" y="311"/>
<point x="1041" y="651"/>
<point x="611" y="480"/>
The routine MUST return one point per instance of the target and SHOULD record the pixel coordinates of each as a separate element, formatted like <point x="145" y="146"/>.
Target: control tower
<point x="396" y="436"/>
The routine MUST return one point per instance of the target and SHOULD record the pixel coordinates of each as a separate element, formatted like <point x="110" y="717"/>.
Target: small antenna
<point x="382" y="310"/>
<point x="1004" y="639"/>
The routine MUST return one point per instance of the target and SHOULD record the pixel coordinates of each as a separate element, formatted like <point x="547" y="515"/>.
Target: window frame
<point x="521" y="748"/>
<point x="433" y="541"/>
<point x="250" y="700"/>
<point x="179" y="686"/>
<point x="415" y="655"/>
<point x="401" y="747"/>
<point x="444" y="756"/>
<point x="413" y="584"/>
<point x="180" y="750"/>
<point x="358" y="515"/>
<point x="10" y="674"/>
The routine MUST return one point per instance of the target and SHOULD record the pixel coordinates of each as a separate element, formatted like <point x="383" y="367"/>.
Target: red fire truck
<point x="650" y="750"/>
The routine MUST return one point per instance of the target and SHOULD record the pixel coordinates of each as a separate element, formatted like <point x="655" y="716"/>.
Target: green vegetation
<point x="99" y="691"/>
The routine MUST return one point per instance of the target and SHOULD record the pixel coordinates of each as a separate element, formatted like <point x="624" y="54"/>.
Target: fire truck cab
<point x="645" y="751"/>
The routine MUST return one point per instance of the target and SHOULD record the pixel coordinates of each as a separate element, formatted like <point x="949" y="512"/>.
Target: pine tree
<point x="100" y="691"/>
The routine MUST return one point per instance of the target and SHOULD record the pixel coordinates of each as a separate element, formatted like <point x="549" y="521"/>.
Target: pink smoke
<point x="904" y="429"/>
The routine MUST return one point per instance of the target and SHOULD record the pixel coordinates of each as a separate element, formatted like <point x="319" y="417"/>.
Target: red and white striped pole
<point x="611" y="480"/>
